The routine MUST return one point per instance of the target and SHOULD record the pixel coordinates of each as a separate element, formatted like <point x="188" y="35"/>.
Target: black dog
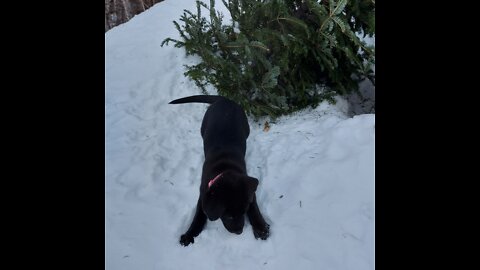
<point x="226" y="191"/>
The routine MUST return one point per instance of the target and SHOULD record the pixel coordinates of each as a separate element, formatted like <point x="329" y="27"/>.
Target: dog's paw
<point x="262" y="232"/>
<point x="186" y="240"/>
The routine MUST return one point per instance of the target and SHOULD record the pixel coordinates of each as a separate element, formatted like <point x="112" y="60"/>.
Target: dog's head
<point x="229" y="198"/>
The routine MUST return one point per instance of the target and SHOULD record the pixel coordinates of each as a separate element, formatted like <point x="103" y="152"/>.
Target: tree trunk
<point x="120" y="11"/>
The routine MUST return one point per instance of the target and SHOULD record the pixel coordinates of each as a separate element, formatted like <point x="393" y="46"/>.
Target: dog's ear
<point x="252" y="184"/>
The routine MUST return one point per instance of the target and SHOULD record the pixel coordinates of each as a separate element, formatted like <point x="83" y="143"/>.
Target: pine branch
<point x="281" y="77"/>
<point x="334" y="11"/>
<point x="251" y="45"/>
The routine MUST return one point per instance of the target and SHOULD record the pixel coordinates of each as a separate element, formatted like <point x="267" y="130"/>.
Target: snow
<point x="316" y="169"/>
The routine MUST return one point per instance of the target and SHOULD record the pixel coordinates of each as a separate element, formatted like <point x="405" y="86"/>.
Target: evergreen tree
<point x="278" y="56"/>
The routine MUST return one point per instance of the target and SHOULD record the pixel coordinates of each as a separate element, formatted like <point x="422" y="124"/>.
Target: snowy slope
<point x="316" y="169"/>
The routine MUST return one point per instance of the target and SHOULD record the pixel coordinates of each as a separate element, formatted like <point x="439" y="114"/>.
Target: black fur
<point x="225" y="131"/>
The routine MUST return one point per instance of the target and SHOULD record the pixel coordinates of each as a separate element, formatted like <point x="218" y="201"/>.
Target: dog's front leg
<point x="196" y="227"/>
<point x="261" y="229"/>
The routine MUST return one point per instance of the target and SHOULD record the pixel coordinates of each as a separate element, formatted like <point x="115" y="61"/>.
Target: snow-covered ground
<point x="316" y="169"/>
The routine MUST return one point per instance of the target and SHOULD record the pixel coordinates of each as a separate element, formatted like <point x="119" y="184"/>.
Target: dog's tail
<point x="199" y="98"/>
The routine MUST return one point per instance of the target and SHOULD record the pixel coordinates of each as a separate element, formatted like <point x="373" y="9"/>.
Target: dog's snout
<point x="212" y="218"/>
<point x="237" y="231"/>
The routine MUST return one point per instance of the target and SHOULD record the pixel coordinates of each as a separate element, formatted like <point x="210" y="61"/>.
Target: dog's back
<point x="197" y="99"/>
<point x="224" y="125"/>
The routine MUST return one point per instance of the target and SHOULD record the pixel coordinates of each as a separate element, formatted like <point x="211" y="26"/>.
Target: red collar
<point x="214" y="179"/>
